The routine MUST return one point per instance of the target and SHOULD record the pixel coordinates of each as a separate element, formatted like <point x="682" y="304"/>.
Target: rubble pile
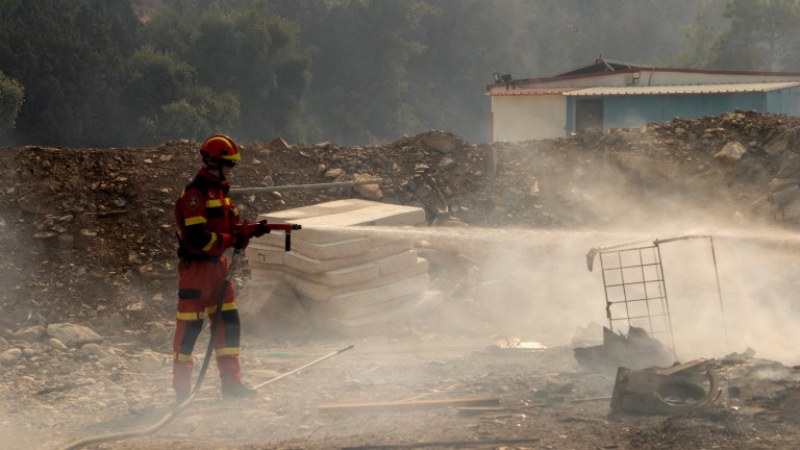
<point x="89" y="232"/>
<point x="89" y="276"/>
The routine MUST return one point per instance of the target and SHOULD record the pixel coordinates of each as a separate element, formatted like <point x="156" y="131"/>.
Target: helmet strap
<point x="214" y="166"/>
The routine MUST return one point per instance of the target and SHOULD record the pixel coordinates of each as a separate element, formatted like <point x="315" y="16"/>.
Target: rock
<point x="446" y="163"/>
<point x="333" y="173"/>
<point x="149" y="361"/>
<point x="790" y="166"/>
<point x="279" y="143"/>
<point x="791" y="210"/>
<point x="732" y="151"/>
<point x="785" y="195"/>
<point x="72" y="335"/>
<point x="159" y="333"/>
<point x="368" y="191"/>
<point x="10" y="356"/>
<point x="116" y="321"/>
<point x="778" y="183"/>
<point x="30" y="334"/>
<point x="58" y="345"/>
<point x="440" y="141"/>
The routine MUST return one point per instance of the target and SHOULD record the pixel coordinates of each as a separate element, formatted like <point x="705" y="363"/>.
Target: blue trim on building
<point x="784" y="101"/>
<point x="636" y="111"/>
<point x="630" y="111"/>
<point x="570" y="122"/>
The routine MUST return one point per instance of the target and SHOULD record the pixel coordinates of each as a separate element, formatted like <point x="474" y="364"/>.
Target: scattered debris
<point x="517" y="345"/>
<point x="637" y="350"/>
<point x="651" y="392"/>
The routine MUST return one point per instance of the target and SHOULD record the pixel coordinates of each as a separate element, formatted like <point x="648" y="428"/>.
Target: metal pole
<point x="304" y="187"/>
<point x="316" y="361"/>
<point x="719" y="292"/>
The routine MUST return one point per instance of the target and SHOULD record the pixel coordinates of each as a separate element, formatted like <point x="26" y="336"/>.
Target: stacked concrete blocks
<point x="349" y="282"/>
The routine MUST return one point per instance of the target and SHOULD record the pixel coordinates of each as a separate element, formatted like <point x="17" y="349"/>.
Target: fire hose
<point x="287" y="228"/>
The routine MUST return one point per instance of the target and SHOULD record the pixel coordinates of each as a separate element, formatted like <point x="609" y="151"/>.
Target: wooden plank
<point x="681" y="367"/>
<point x="412" y="404"/>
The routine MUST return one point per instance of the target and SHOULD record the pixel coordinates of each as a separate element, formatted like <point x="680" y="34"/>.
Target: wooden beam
<point x="469" y="401"/>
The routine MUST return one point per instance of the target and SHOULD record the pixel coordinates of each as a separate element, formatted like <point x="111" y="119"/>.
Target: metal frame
<point x="635" y="289"/>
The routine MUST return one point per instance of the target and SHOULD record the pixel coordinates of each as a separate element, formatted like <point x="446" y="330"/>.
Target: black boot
<point x="238" y="391"/>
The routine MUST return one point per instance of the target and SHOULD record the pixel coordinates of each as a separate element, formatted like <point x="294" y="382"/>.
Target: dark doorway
<point x="588" y="114"/>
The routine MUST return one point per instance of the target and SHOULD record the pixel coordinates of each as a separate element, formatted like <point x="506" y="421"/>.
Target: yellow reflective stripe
<point x="181" y="357"/>
<point x="210" y="242"/>
<point x="225" y="307"/>
<point x="194" y="220"/>
<point x="226" y="351"/>
<point x="235" y="212"/>
<point x="213" y="203"/>
<point x="190" y="315"/>
<point x="227" y="200"/>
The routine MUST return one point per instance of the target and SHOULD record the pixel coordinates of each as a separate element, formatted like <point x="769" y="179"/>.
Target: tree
<point x="697" y="46"/>
<point x="68" y="56"/>
<point x="163" y="100"/>
<point x="245" y="50"/>
<point x="762" y="35"/>
<point x="362" y="51"/>
<point x="11" y="96"/>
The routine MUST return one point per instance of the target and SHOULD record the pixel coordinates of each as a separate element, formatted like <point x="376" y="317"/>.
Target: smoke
<point x="534" y="285"/>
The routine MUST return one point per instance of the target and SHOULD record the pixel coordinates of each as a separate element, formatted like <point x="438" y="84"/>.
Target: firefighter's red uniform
<point x="208" y="224"/>
<point x="206" y="218"/>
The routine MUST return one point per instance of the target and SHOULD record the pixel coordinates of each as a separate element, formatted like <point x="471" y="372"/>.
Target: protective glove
<point x="260" y="229"/>
<point x="240" y="240"/>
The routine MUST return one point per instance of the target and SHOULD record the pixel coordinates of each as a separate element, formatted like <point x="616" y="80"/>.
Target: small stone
<point x="58" y="345"/>
<point x="30" y="334"/>
<point x="10" y="356"/>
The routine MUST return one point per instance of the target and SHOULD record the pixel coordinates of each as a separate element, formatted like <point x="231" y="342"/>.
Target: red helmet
<point x="219" y="149"/>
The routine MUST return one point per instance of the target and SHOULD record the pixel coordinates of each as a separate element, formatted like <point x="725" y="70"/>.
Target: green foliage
<point x="202" y="113"/>
<point x="67" y="55"/>
<point x="763" y="35"/>
<point x="363" y="48"/>
<point x="697" y="47"/>
<point x="158" y="92"/>
<point x="248" y="52"/>
<point x="351" y="71"/>
<point x="11" y="96"/>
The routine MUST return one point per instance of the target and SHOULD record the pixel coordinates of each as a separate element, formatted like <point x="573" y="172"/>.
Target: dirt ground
<point x="88" y="239"/>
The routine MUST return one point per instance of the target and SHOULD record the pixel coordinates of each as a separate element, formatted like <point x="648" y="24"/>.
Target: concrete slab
<point x="397" y="262"/>
<point x="341" y="277"/>
<point x="321" y="292"/>
<point x="265" y="274"/>
<point x="305" y="264"/>
<point x="264" y="254"/>
<point x="352" y="302"/>
<point x="331" y="250"/>
<point x="327" y="217"/>
<point x="320" y="209"/>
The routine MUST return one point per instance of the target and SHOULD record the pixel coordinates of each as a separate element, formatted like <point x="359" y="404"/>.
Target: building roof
<point x="725" y="88"/>
<point x="532" y="91"/>
<point x="603" y="68"/>
<point x="686" y="89"/>
<point x="601" y="65"/>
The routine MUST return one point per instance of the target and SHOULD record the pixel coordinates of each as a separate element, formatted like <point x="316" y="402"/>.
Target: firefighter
<point x="208" y="224"/>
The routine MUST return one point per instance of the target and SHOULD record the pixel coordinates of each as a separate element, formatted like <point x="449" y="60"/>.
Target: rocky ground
<point x="89" y="242"/>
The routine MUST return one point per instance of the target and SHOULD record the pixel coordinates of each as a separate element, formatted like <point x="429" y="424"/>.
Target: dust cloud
<point x="535" y="285"/>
